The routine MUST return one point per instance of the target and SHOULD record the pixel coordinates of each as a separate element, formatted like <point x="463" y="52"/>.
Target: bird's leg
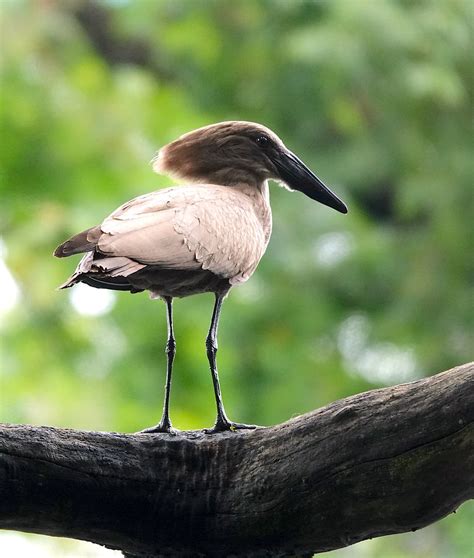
<point x="222" y="422"/>
<point x="165" y="422"/>
<point x="170" y="353"/>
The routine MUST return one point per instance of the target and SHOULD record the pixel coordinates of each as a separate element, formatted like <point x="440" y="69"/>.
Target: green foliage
<point x="374" y="96"/>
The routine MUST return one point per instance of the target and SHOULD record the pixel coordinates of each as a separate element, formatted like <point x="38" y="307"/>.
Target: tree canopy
<point x="373" y="96"/>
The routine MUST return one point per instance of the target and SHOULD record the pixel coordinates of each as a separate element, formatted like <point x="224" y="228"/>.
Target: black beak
<point x="298" y="177"/>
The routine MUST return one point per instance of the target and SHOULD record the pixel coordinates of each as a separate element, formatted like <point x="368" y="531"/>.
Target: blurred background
<point x="373" y="95"/>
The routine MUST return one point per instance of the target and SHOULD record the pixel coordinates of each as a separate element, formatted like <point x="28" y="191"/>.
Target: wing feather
<point x="193" y="227"/>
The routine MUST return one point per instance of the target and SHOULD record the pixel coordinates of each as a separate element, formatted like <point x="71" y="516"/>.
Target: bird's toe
<point x="160" y="428"/>
<point x="225" y="426"/>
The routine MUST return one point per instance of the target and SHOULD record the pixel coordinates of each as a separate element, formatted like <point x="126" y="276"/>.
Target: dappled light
<point x="382" y="363"/>
<point x="10" y="295"/>
<point x="91" y="302"/>
<point x="333" y="248"/>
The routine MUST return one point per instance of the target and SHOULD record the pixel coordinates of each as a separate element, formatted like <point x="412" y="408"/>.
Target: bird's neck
<point x="229" y="176"/>
<point x="260" y="196"/>
<point x="257" y="191"/>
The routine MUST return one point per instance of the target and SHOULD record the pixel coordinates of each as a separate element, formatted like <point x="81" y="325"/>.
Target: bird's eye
<point x="262" y="141"/>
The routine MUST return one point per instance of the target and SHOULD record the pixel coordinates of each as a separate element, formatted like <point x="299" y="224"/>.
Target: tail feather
<point x="70" y="282"/>
<point x="85" y="241"/>
<point x="106" y="273"/>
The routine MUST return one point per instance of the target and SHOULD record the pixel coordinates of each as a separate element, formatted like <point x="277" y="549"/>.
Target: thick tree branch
<point x="385" y="461"/>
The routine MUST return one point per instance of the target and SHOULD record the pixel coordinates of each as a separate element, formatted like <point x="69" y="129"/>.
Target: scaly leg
<point x="222" y="422"/>
<point x="165" y="422"/>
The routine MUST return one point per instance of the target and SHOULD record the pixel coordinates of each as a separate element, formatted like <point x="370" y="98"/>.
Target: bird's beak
<point x="299" y="177"/>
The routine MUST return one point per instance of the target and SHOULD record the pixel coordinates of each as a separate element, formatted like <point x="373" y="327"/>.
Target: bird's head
<point x="236" y="152"/>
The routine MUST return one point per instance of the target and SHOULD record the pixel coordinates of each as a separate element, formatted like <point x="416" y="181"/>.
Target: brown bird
<point x="206" y="236"/>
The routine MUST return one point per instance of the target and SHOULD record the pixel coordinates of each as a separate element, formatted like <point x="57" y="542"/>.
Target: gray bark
<point x="386" y="461"/>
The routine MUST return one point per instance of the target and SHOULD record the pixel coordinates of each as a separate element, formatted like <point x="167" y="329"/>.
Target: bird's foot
<point x="162" y="427"/>
<point x="226" y="425"/>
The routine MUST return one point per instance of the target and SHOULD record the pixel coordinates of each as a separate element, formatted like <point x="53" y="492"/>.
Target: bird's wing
<point x="224" y="234"/>
<point x="192" y="227"/>
<point x="143" y="230"/>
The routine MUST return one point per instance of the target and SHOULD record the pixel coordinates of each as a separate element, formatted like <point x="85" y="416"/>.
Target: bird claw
<point x="224" y="426"/>
<point x="160" y="428"/>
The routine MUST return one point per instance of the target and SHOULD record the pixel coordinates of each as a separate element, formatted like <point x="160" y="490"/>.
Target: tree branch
<point x="386" y="461"/>
<point x="116" y="48"/>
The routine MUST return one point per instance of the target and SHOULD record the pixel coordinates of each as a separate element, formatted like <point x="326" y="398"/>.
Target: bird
<point x="204" y="236"/>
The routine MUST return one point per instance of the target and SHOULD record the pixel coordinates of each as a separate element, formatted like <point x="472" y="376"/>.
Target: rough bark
<point x="386" y="461"/>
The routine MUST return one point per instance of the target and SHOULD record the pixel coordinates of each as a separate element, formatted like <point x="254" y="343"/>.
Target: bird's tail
<point x="85" y="241"/>
<point x="73" y="280"/>
<point x="104" y="272"/>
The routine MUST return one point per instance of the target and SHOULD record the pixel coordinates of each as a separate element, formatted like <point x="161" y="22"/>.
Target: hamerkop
<point x="206" y="236"/>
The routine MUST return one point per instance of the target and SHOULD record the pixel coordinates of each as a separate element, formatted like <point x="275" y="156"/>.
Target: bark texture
<point x="386" y="461"/>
